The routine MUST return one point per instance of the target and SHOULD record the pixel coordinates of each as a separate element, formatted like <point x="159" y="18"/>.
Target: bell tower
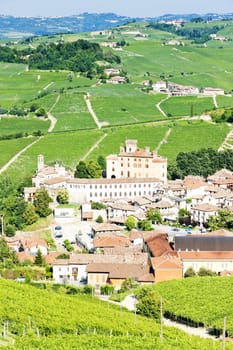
<point x="40" y="162"/>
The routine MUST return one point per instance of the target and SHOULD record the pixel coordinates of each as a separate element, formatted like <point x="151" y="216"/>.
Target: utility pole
<point x="2" y="225"/>
<point x="224" y="332"/>
<point x="161" y="317"/>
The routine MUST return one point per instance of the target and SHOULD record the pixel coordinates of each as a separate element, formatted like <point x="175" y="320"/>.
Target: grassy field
<point x="185" y="137"/>
<point x="186" y="106"/>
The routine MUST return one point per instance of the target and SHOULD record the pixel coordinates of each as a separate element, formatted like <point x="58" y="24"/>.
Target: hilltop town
<point x="124" y="238"/>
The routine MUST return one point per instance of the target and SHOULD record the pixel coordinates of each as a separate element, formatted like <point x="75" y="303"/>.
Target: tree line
<point x="203" y="162"/>
<point x="77" y="56"/>
<point x="198" y="35"/>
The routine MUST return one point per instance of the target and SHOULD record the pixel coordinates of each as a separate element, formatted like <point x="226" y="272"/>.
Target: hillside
<point x="22" y="27"/>
<point x="42" y="319"/>
<point x="82" y="108"/>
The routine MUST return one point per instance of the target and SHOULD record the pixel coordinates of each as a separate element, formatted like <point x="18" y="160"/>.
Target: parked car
<point x="58" y="232"/>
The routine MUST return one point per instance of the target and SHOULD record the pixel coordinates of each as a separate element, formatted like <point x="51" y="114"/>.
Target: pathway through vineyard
<point x="129" y="303"/>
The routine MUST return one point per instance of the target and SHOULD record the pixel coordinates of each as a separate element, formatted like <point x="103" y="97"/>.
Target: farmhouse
<point x="209" y="91"/>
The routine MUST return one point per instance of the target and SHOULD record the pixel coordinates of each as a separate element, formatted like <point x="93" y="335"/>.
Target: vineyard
<point x="198" y="301"/>
<point x="42" y="319"/>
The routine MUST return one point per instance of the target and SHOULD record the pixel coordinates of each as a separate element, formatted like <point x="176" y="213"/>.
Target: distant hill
<point x="19" y="27"/>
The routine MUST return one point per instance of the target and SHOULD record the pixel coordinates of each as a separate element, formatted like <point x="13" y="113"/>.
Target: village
<point x="113" y="249"/>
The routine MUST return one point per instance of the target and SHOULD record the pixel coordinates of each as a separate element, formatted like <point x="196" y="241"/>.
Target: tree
<point x="88" y="171"/>
<point x="148" y="303"/>
<point x="190" y="272"/>
<point x="39" y="260"/>
<point x="63" y="196"/>
<point x="145" y="225"/>
<point x="99" y="219"/>
<point x="81" y="171"/>
<point x="8" y="257"/>
<point x="30" y="215"/>
<point x="41" y="112"/>
<point x="184" y="217"/>
<point x="130" y="223"/>
<point x="154" y="215"/>
<point x="41" y="202"/>
<point x="94" y="170"/>
<point x="102" y="162"/>
<point x="223" y="219"/>
<point x="205" y="272"/>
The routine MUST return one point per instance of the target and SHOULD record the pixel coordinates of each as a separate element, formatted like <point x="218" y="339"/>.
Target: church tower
<point x="40" y="162"/>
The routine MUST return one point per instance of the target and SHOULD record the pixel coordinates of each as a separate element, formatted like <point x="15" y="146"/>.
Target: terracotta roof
<point x="158" y="245"/>
<point x="206" y="255"/>
<point x="192" y="182"/>
<point x="85" y="259"/>
<point x="54" y="181"/>
<point x="147" y="278"/>
<point x="220" y="232"/>
<point x="103" y="181"/>
<point x="105" y="227"/>
<point x="119" y="271"/>
<point x="206" y="207"/>
<point x="162" y="204"/>
<point x="223" y="173"/>
<point x="32" y="242"/>
<point x="166" y="262"/>
<point x="22" y="256"/>
<point x="111" y="242"/>
<point x="123" y="206"/>
<point x="134" y="234"/>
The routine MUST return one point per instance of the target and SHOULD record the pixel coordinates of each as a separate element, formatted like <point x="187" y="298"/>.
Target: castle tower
<point x="40" y="162"/>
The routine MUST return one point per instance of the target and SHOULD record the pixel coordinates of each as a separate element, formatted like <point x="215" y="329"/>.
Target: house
<point x="105" y="229"/>
<point x="182" y="90"/>
<point x="116" y="274"/>
<point x="167" y="267"/>
<point x="209" y="91"/>
<point x="134" y="162"/>
<point x="111" y="241"/>
<point x="201" y="213"/>
<point x="217" y="261"/>
<point x="160" y="86"/>
<point x="174" y="42"/>
<point x="157" y="244"/>
<point x="87" y="214"/>
<point x="111" y="71"/>
<point x="117" y="80"/>
<point x="166" y="209"/>
<point x="51" y="177"/>
<point x="122" y="210"/>
<point x="74" y="269"/>
<point x="29" y="245"/>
